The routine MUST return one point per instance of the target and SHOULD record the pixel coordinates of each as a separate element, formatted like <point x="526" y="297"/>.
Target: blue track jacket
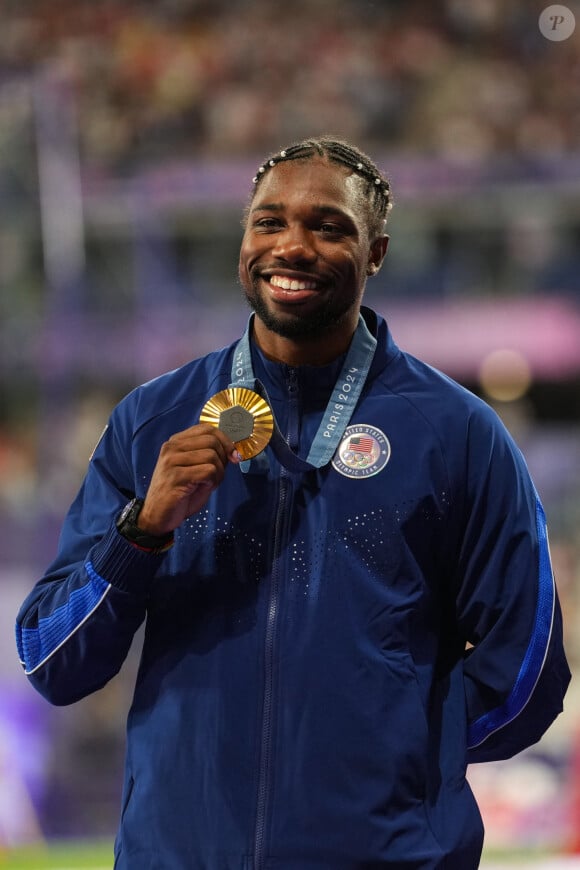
<point x="324" y="652"/>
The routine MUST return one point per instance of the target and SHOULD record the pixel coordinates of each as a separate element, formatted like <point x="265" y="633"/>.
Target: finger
<point x="193" y="451"/>
<point x="195" y="467"/>
<point x="200" y="437"/>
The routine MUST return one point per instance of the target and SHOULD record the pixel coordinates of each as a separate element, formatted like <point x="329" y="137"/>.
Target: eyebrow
<point x="319" y="209"/>
<point x="268" y="206"/>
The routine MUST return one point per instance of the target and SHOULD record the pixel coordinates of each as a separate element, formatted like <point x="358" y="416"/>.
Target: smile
<point x="291" y="284"/>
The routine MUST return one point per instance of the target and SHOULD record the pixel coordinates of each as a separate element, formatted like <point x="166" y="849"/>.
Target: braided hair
<point x="377" y="189"/>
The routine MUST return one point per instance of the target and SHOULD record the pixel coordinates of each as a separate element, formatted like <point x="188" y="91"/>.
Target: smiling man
<point x="341" y="559"/>
<point x="311" y="240"/>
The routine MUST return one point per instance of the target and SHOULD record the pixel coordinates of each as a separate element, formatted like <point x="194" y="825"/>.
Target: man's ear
<point x="377" y="254"/>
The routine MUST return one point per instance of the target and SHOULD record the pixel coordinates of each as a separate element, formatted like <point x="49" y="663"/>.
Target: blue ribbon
<point x="345" y="395"/>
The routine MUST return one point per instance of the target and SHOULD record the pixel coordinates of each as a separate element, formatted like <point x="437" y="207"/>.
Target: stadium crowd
<point x="208" y="77"/>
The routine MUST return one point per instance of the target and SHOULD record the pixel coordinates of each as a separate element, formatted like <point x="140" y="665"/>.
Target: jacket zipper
<point x="280" y="531"/>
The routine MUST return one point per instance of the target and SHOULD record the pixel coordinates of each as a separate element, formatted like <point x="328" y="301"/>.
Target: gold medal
<point x="244" y="416"/>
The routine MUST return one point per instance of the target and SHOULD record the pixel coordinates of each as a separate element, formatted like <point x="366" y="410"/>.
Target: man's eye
<point x="331" y="229"/>
<point x="267" y="223"/>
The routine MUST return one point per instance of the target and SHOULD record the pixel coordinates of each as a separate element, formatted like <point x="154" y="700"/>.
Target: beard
<point x="316" y="324"/>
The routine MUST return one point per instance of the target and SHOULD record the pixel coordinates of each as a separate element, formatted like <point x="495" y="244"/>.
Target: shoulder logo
<point x="363" y="451"/>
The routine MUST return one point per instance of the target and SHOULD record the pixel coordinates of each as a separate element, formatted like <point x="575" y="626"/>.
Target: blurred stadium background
<point x="129" y="134"/>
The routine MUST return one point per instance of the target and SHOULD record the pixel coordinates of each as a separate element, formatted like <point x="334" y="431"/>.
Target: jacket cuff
<point x="124" y="566"/>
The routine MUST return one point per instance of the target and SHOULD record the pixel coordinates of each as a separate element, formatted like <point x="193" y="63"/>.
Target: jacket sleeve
<point x="515" y="671"/>
<point x="75" y="628"/>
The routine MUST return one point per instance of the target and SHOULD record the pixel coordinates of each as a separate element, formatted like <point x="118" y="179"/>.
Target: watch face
<point x="127" y="510"/>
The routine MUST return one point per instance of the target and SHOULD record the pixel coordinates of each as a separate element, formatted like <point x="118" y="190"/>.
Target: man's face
<point x="306" y="253"/>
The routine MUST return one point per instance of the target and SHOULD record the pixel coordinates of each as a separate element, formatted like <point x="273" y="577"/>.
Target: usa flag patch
<point x="363" y="451"/>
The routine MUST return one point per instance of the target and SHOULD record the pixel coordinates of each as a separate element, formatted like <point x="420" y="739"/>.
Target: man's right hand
<point x="190" y="466"/>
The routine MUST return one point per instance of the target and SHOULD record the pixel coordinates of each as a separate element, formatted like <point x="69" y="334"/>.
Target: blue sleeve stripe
<point x="536" y="653"/>
<point x="39" y="644"/>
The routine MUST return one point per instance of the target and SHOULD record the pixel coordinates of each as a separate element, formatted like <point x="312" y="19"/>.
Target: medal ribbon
<point x="343" y="400"/>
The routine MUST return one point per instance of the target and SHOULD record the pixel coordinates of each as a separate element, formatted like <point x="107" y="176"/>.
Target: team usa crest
<point x="363" y="451"/>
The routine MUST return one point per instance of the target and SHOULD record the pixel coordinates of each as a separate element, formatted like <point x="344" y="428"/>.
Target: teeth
<point x="287" y="284"/>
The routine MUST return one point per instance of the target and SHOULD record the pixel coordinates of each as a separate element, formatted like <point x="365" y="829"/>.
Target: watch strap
<point x="128" y="528"/>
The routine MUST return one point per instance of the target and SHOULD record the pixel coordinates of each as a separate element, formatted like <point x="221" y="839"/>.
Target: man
<point x="337" y="622"/>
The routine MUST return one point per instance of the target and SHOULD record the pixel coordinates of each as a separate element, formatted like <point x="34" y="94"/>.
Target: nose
<point x="294" y="244"/>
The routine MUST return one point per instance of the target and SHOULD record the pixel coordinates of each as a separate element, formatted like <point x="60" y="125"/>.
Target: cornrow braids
<point x="377" y="187"/>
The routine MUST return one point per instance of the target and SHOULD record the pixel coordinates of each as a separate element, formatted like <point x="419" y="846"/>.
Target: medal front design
<point x="244" y="416"/>
<point x="363" y="451"/>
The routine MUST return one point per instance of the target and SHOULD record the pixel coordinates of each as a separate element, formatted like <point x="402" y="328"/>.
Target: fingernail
<point x="238" y="456"/>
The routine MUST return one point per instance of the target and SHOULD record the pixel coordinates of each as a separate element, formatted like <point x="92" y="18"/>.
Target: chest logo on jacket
<point x="363" y="451"/>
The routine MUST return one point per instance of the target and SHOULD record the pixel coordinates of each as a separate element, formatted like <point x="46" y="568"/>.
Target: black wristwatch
<point x="128" y="528"/>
